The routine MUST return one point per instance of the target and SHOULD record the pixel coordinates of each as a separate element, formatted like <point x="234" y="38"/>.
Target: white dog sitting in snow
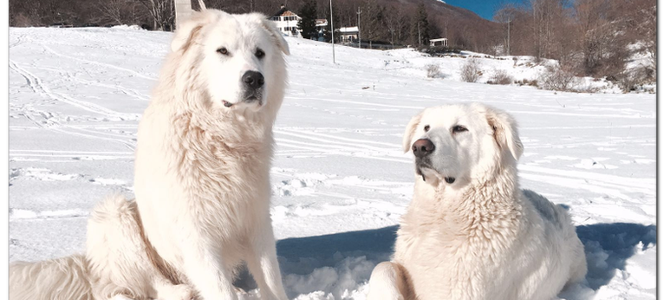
<point x="470" y="232"/>
<point x="202" y="178"/>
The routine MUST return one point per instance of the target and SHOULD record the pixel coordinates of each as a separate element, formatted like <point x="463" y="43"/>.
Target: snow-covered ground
<point x="340" y="179"/>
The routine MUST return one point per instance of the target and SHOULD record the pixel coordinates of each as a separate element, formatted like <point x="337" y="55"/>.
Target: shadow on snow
<point x="339" y="262"/>
<point x="609" y="245"/>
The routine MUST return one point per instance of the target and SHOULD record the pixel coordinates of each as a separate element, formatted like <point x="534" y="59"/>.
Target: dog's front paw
<point x="177" y="292"/>
<point x="384" y="295"/>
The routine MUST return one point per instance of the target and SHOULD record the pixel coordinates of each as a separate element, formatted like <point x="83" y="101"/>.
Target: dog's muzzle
<point x="422" y="148"/>
<point x="253" y="86"/>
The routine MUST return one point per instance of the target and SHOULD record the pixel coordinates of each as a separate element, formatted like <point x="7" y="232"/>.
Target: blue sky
<point x="484" y="8"/>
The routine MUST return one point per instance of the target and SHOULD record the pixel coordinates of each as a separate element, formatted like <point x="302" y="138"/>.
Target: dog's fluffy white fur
<point x="202" y="179"/>
<point x="469" y="231"/>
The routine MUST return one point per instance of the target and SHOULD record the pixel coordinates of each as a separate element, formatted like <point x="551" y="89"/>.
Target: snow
<point x="340" y="179"/>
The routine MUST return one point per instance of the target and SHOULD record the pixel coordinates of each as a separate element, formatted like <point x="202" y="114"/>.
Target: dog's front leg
<point x="262" y="262"/>
<point x="387" y="282"/>
<point x="166" y="290"/>
<point x="205" y="268"/>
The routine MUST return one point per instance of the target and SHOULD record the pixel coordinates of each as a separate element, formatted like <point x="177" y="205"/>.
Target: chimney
<point x="282" y="6"/>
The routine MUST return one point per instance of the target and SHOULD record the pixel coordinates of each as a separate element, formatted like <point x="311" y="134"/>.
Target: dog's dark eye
<point x="259" y="53"/>
<point x="426" y="128"/>
<point x="222" y="50"/>
<point x="458" y="128"/>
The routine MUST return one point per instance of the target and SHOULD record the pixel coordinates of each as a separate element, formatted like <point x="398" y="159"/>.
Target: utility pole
<point x="418" y="25"/>
<point x="392" y="44"/>
<point x="358" y="13"/>
<point x="508" y="40"/>
<point x="332" y="32"/>
<point x="446" y="32"/>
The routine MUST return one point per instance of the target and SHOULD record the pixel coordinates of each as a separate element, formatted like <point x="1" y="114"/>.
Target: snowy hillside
<point x="340" y="179"/>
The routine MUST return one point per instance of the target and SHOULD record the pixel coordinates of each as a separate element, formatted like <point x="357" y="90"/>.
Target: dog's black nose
<point x="422" y="148"/>
<point x="253" y="79"/>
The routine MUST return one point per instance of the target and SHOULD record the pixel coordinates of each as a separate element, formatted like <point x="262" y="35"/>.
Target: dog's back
<point x="118" y="261"/>
<point x="115" y="250"/>
<point x="559" y="217"/>
<point x="121" y="260"/>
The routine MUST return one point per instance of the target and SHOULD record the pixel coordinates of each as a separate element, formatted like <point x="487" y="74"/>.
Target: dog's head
<point x="234" y="58"/>
<point x="455" y="144"/>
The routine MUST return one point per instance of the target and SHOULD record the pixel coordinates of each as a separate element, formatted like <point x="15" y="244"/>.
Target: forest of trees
<point x="388" y="21"/>
<point x="589" y="37"/>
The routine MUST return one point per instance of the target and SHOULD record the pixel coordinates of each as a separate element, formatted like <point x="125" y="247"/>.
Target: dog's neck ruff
<point x="223" y="135"/>
<point x="467" y="208"/>
<point x="487" y="204"/>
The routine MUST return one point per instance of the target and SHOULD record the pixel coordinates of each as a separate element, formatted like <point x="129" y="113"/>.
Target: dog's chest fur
<point x="457" y="244"/>
<point x="218" y="179"/>
<point x="223" y="174"/>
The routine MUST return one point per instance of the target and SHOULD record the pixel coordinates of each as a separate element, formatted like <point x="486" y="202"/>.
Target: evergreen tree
<point x="336" y="25"/>
<point x="420" y="26"/>
<point x="307" y="25"/>
<point x="372" y="21"/>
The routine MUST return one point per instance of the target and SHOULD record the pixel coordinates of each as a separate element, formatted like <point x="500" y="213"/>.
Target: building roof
<point x="280" y="12"/>
<point x="284" y="12"/>
<point x="439" y="40"/>
<point x="288" y="13"/>
<point x="353" y="29"/>
<point x="321" y="22"/>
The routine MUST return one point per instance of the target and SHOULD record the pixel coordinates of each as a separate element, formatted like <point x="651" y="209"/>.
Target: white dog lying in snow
<point x="470" y="232"/>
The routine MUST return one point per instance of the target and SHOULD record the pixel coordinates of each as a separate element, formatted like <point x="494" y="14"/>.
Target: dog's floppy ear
<point x="409" y="131"/>
<point x="276" y="35"/>
<point x="505" y="131"/>
<point x="188" y="30"/>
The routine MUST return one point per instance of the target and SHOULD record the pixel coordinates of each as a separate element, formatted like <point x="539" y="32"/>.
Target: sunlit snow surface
<point x="340" y="179"/>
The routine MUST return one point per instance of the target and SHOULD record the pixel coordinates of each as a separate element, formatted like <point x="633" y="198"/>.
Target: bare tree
<point x="603" y="48"/>
<point x="24" y="13"/>
<point x="162" y="13"/>
<point x="546" y="16"/>
<point x="505" y="15"/>
<point x="389" y="24"/>
<point x="113" y="9"/>
<point x="372" y="21"/>
<point x="641" y="17"/>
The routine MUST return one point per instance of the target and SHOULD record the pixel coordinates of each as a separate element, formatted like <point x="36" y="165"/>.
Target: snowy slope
<point x="340" y="179"/>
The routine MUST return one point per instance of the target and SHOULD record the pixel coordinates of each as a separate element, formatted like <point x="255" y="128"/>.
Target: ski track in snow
<point x="340" y="180"/>
<point x="39" y="87"/>
<point x="53" y="120"/>
<point x="97" y="63"/>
